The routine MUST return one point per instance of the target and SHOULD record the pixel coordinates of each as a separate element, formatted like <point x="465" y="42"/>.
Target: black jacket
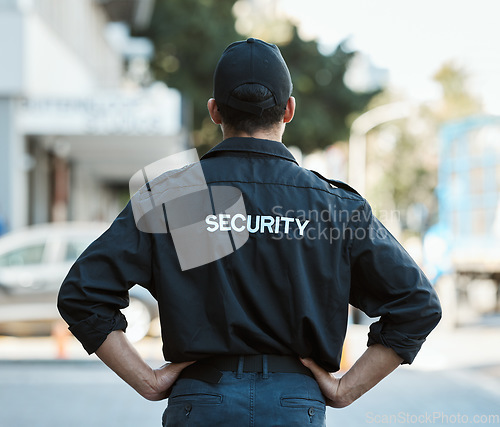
<point x="286" y="290"/>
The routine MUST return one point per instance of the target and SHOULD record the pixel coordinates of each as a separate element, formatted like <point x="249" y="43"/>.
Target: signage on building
<point x="154" y="111"/>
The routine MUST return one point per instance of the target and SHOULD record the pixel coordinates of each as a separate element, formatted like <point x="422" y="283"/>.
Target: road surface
<point x="454" y="381"/>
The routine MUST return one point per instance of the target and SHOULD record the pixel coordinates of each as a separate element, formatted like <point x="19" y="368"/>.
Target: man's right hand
<point x="375" y="364"/>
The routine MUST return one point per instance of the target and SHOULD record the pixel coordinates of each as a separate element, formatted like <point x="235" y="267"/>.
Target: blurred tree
<point x="403" y="155"/>
<point x="190" y="35"/>
<point x="402" y="167"/>
<point x="456" y="101"/>
<point x="324" y="102"/>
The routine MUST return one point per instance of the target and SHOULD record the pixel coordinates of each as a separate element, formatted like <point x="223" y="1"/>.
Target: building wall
<point x="13" y="175"/>
<point x="57" y="53"/>
<point x="11" y="48"/>
<point x="80" y="28"/>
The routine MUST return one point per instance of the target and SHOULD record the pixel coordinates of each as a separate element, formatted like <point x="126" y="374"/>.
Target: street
<point x="454" y="380"/>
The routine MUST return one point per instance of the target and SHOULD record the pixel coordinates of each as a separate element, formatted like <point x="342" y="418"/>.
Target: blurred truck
<point x="462" y="251"/>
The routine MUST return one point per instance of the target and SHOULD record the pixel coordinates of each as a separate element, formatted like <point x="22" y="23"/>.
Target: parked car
<point x="33" y="263"/>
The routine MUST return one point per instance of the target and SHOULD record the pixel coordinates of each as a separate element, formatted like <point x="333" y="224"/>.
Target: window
<point x="23" y="256"/>
<point x="74" y="249"/>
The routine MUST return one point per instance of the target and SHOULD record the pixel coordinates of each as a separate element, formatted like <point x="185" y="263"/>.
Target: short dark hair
<point x="248" y="122"/>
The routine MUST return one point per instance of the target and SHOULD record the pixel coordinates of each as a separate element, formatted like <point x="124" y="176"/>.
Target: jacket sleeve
<point x="386" y="282"/>
<point x="96" y="287"/>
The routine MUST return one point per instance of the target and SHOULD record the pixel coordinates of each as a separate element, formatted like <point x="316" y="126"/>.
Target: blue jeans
<point x="246" y="399"/>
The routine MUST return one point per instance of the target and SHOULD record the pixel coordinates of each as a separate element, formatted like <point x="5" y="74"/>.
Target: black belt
<point x="209" y="370"/>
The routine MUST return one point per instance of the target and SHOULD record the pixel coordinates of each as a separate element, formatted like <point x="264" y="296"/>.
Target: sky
<point x="412" y="39"/>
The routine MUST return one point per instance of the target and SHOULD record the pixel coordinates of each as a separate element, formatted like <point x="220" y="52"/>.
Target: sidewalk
<point x="473" y="346"/>
<point x="46" y="348"/>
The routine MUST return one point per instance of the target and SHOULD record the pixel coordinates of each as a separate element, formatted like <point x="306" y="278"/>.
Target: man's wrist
<point x="343" y="396"/>
<point x="349" y="392"/>
<point x="148" y="386"/>
<point x="375" y="364"/>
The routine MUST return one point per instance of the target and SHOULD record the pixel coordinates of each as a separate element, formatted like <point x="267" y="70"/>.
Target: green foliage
<point x="408" y="170"/>
<point x="189" y="37"/>
<point x="457" y="101"/>
<point x="324" y="102"/>
<point x="411" y="166"/>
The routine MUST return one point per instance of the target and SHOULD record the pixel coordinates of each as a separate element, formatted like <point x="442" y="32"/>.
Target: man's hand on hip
<point x="165" y="379"/>
<point x="375" y="364"/>
<point x="328" y="384"/>
<point x="153" y="384"/>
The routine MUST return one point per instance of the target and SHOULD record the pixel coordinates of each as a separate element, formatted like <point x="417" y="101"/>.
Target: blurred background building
<point x="79" y="112"/>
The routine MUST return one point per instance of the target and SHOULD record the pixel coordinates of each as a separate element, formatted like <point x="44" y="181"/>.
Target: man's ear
<point x="289" y="110"/>
<point x="214" y="111"/>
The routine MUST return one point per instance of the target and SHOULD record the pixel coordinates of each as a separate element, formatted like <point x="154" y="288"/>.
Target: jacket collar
<point x="252" y="145"/>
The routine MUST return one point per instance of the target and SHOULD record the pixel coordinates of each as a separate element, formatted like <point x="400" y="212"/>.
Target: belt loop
<point x="241" y="361"/>
<point x="265" y="373"/>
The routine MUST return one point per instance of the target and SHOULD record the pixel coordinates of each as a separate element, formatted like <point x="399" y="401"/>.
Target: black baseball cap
<point x="252" y="61"/>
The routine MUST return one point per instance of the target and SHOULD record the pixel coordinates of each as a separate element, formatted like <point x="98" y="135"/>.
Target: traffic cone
<point x="61" y="334"/>
<point x="345" y="361"/>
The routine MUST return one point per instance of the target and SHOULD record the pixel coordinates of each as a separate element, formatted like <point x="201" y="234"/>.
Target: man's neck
<point x="270" y="134"/>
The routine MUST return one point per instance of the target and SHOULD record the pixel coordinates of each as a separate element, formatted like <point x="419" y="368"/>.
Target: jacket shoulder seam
<point x="354" y="198"/>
